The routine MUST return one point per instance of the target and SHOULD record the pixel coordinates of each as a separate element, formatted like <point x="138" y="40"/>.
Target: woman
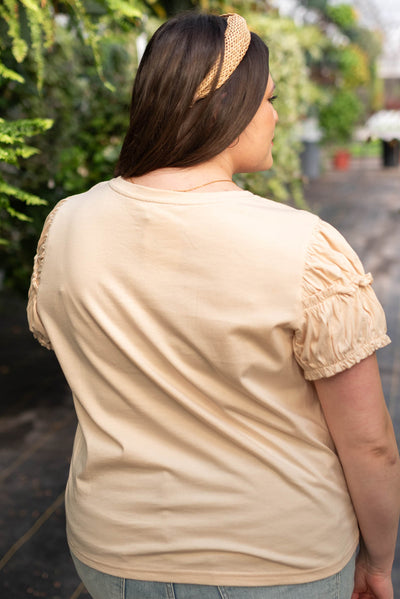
<point x="233" y="437"/>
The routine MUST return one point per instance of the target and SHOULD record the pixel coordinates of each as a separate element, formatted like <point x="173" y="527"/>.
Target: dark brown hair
<point x="166" y="129"/>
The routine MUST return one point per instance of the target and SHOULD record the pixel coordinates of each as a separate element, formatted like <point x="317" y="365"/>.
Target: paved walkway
<point x="37" y="421"/>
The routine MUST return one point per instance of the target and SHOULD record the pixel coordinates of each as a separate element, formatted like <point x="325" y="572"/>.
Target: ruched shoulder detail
<point x="343" y="321"/>
<point x="35" y="325"/>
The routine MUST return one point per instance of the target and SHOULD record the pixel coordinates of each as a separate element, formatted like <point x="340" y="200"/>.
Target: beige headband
<point x="237" y="41"/>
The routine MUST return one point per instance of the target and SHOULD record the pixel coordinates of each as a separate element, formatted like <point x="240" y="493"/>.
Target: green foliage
<point x="343" y="15"/>
<point x="349" y="64"/>
<point x="346" y="93"/>
<point x="30" y="27"/>
<point x="6" y="73"/>
<point x="353" y="65"/>
<point x="13" y="134"/>
<point x="313" y="42"/>
<point x="362" y="149"/>
<point x="125" y="9"/>
<point x="339" y="115"/>
<point x="376" y="91"/>
<point x="370" y="43"/>
<point x="12" y="148"/>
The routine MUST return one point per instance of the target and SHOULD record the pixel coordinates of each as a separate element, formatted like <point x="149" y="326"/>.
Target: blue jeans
<point x="104" y="586"/>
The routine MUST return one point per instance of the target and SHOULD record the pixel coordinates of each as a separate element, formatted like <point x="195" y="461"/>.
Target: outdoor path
<point x="37" y="421"/>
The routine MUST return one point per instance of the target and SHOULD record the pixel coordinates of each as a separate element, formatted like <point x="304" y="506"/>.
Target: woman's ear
<point x="235" y="142"/>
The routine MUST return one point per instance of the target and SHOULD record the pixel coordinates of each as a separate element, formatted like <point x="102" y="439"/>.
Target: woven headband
<point x="237" y="41"/>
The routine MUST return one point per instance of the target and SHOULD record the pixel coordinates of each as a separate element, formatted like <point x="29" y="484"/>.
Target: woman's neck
<point x="205" y="177"/>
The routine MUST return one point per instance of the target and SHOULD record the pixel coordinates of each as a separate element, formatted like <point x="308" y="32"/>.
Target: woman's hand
<point x="370" y="583"/>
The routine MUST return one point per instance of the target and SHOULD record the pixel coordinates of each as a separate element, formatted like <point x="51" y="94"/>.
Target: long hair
<point x="166" y="128"/>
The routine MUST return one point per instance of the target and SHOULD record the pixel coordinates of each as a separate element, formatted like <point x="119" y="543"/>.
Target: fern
<point x="17" y="131"/>
<point x="39" y="17"/>
<point x="13" y="147"/>
<point x="7" y="191"/>
<point x="7" y="73"/>
<point x="125" y="8"/>
<point x="36" y="30"/>
<point x="10" y="13"/>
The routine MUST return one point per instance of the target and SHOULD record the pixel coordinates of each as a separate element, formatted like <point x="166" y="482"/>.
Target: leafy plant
<point x="349" y="61"/>
<point x="340" y="115"/>
<point x="343" y="15"/>
<point x="13" y="147"/>
<point x="353" y="66"/>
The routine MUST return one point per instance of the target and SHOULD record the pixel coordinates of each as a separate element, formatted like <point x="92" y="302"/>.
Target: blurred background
<point x="66" y="73"/>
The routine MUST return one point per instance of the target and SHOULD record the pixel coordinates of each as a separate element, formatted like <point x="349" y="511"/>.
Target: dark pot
<point x="391" y="153"/>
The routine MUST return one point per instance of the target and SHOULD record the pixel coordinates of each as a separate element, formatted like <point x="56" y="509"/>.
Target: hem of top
<point x="352" y="358"/>
<point x="145" y="193"/>
<point x="219" y="578"/>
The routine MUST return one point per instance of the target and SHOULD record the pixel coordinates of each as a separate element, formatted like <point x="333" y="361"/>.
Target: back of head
<point x="170" y="126"/>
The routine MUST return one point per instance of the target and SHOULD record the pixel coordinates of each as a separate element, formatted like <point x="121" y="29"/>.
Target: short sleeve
<point x="342" y="320"/>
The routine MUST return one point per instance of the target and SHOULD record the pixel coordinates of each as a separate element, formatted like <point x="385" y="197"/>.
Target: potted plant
<point x="337" y="120"/>
<point x="385" y="125"/>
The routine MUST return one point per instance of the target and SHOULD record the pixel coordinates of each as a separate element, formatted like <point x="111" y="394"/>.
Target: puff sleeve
<point x="342" y="320"/>
<point x="35" y="324"/>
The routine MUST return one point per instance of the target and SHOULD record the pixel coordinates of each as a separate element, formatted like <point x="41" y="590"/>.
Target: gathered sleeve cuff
<point x="35" y="324"/>
<point x="342" y="320"/>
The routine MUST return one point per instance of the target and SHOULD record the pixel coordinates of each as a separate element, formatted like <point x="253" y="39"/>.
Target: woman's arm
<point x="361" y="428"/>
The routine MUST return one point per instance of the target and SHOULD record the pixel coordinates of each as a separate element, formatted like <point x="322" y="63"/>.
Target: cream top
<point x="189" y="327"/>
